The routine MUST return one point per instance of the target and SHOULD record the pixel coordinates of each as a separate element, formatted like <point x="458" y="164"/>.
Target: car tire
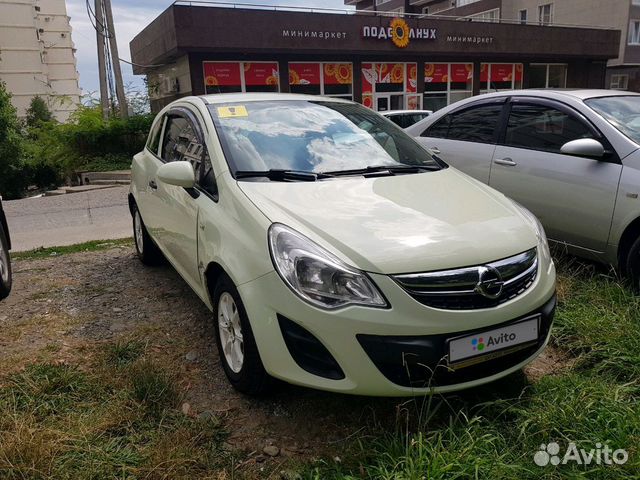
<point x="148" y="252"/>
<point x="5" y="265"/>
<point x="633" y="265"/>
<point x="237" y="348"/>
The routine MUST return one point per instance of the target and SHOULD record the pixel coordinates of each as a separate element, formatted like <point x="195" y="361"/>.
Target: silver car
<point x="571" y="157"/>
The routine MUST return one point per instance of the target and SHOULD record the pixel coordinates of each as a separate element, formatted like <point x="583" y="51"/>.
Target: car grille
<point x="460" y="289"/>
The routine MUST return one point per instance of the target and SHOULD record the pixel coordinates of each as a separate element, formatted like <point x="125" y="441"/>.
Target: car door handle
<point x="153" y="184"/>
<point x="435" y="150"/>
<point x="505" y="161"/>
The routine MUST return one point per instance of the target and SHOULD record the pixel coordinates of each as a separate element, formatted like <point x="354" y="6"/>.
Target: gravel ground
<point x="66" y="308"/>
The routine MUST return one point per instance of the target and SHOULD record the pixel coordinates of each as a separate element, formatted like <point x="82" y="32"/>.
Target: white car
<point x="406" y="118"/>
<point x="335" y="252"/>
<point x="572" y="157"/>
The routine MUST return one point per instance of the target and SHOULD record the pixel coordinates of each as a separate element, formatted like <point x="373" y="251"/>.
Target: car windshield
<point x="312" y="136"/>
<point x="622" y="112"/>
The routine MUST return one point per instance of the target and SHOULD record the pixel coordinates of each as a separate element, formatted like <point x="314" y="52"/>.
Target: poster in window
<point x="461" y="72"/>
<point x="304" y="74"/>
<point x="338" y="73"/>
<point x="390" y="73"/>
<point x="412" y="77"/>
<point x="436" y="72"/>
<point x="261" y="73"/>
<point x="222" y="74"/>
<point x="368" y="79"/>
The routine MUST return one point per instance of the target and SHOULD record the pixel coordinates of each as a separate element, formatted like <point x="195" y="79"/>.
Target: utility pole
<point x="122" y="99"/>
<point x="102" y="68"/>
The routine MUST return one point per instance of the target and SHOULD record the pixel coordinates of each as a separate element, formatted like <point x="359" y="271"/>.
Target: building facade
<point x="623" y="72"/>
<point x="385" y="61"/>
<point x="37" y="55"/>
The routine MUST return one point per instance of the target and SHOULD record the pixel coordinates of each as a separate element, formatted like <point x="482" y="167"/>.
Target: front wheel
<point x="633" y="265"/>
<point x="236" y="345"/>
<point x="5" y="265"/>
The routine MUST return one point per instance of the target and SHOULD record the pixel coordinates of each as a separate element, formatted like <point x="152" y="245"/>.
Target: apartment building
<point x="37" y="55"/>
<point x="623" y="72"/>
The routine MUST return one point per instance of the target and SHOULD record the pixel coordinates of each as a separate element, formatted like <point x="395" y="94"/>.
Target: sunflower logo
<point x="399" y="32"/>
<point x="211" y="81"/>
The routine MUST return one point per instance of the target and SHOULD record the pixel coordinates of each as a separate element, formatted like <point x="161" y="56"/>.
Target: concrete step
<point x="86" y="188"/>
<point x="87" y="178"/>
<point x="55" y="193"/>
<point x="110" y="182"/>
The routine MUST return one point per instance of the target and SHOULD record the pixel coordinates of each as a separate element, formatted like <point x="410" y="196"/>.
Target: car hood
<point x="400" y="224"/>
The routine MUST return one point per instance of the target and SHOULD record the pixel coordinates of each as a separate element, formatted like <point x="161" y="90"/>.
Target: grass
<point x="57" y="421"/>
<point x="118" y="417"/>
<point x="93" y="246"/>
<point x="492" y="433"/>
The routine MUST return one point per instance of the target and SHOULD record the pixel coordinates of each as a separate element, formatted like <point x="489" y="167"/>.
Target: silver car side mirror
<point x="583" y="147"/>
<point x="179" y="174"/>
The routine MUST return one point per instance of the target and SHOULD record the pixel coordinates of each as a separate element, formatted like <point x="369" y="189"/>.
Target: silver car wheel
<point x="137" y="228"/>
<point x="230" y="330"/>
<point x="4" y="264"/>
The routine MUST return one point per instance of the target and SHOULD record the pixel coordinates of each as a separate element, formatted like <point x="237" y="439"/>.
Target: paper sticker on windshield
<point x="237" y="111"/>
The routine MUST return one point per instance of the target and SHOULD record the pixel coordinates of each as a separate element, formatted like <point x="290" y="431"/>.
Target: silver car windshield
<point x="312" y="136"/>
<point x="622" y="112"/>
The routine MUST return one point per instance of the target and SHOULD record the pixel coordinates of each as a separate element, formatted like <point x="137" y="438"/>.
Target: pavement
<point x="69" y="219"/>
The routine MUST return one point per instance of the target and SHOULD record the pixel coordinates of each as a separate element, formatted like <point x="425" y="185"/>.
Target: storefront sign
<point x="469" y="39"/>
<point x="318" y="34"/>
<point x="399" y="32"/>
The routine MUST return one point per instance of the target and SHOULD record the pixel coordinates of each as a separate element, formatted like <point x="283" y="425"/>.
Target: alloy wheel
<point x="137" y="227"/>
<point x="230" y="330"/>
<point x="4" y="264"/>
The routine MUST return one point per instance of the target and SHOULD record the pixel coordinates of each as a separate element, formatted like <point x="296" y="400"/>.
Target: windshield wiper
<point x="282" y="175"/>
<point x="385" y="169"/>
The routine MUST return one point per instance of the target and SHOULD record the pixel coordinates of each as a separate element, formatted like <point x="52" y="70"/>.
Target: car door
<point x="143" y="177"/>
<point x="466" y="138"/>
<point x="573" y="197"/>
<point x="177" y="233"/>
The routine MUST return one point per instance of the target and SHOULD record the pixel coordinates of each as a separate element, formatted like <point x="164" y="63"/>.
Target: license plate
<point x="489" y="344"/>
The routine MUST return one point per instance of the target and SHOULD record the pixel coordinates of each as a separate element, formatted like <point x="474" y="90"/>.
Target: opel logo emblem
<point x="490" y="283"/>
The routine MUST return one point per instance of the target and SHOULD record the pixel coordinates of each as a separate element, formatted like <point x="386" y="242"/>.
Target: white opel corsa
<point x="335" y="252"/>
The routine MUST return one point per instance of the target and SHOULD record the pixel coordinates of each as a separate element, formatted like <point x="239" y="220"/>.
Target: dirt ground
<point x="66" y="308"/>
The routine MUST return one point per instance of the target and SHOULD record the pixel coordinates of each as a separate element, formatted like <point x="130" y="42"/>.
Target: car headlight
<point x="318" y="276"/>
<point x="540" y="233"/>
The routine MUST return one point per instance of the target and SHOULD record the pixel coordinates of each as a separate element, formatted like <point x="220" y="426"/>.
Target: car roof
<point x="218" y="98"/>
<point x="400" y="112"/>
<point x="578" y="94"/>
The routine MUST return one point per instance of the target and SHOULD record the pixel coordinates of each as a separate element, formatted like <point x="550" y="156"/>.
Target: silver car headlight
<point x="543" y="243"/>
<point x="318" y="276"/>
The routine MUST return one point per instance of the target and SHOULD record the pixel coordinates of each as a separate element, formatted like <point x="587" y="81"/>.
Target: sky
<point x="130" y="18"/>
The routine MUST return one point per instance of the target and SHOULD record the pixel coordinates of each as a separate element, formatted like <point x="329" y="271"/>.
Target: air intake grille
<point x="468" y="288"/>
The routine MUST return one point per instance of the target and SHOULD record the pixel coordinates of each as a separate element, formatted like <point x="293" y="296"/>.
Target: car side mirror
<point x="583" y="147"/>
<point x="180" y="174"/>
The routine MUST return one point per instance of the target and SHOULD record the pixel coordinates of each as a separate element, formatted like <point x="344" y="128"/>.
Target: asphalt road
<point x="69" y="219"/>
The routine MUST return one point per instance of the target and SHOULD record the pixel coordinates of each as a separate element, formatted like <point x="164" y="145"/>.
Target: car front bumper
<point x="368" y="351"/>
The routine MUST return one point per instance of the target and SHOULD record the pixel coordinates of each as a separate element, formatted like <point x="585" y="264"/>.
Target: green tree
<point x="13" y="181"/>
<point x="38" y="112"/>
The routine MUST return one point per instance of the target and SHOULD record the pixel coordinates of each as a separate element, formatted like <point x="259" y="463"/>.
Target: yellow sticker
<point x="237" y="111"/>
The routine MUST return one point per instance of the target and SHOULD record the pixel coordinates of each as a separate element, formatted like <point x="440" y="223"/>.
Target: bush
<point x="13" y="181"/>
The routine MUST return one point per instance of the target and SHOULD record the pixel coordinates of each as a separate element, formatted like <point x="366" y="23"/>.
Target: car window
<point x="397" y="119"/>
<point x="174" y="143"/>
<point x="153" y="142"/>
<point x="541" y="127"/>
<point x="476" y="124"/>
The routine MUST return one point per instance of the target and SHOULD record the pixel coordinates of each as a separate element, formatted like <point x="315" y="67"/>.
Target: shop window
<point x="619" y="82"/>
<point x="634" y="32"/>
<point x="500" y="76"/>
<point x="222" y="77"/>
<point x="390" y="86"/>
<point x="305" y="78"/>
<point x="548" y="76"/>
<point x="446" y="83"/>
<point x="230" y="77"/>
<point x="337" y="80"/>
